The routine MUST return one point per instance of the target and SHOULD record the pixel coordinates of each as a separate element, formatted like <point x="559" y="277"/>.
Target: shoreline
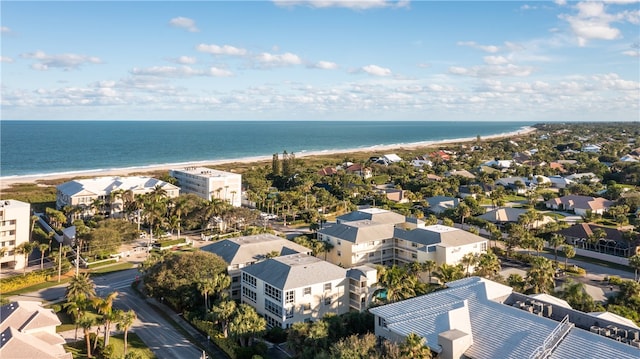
<point x="9" y="181"/>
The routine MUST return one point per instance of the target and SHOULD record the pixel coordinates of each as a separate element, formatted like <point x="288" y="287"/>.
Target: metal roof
<point x="241" y="250"/>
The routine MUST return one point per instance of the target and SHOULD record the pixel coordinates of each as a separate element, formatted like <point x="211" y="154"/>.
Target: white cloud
<point x="184" y="23"/>
<point x="350" y="4"/>
<point x="325" y="65"/>
<point x="64" y="61"/>
<point x="486" y="48"/>
<point x="182" y="71"/>
<point x="376" y="70"/>
<point x="495" y="60"/>
<point x="593" y="22"/>
<point x="184" y="60"/>
<point x="492" y="71"/>
<point x="221" y="50"/>
<point x="286" y="59"/>
<point x="6" y="59"/>
<point x="5" y="29"/>
<point x="560" y="2"/>
<point x="632" y="53"/>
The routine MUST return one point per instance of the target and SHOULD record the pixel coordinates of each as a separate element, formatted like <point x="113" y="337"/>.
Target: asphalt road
<point x="160" y="336"/>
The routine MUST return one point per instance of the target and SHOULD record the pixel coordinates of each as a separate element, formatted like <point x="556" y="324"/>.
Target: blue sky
<point x="321" y="60"/>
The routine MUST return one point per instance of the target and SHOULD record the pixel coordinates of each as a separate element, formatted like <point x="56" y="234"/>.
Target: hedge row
<point x="19" y="282"/>
<point x="227" y="345"/>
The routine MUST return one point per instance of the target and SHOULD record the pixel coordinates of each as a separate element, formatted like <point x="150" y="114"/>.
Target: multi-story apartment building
<point x="15" y="227"/>
<point x="241" y="252"/>
<point x="296" y="288"/>
<point x="209" y="183"/>
<point x="86" y="193"/>
<point x="386" y="240"/>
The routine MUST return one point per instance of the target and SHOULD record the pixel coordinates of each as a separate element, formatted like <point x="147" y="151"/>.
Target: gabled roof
<point x="585" y="230"/>
<point x="253" y="248"/>
<point x="359" y="231"/>
<point x="295" y="271"/>
<point x="373" y="214"/>
<point x="581" y="202"/>
<point x="440" y="235"/>
<point x="17" y="345"/>
<point x="105" y="185"/>
<point x="27" y="316"/>
<point x="327" y="171"/>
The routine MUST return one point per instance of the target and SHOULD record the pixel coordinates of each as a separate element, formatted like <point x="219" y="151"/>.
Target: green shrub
<point x="19" y="282"/>
<point x="227" y="345"/>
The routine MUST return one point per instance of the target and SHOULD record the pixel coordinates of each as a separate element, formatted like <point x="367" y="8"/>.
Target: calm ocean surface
<point x="47" y="147"/>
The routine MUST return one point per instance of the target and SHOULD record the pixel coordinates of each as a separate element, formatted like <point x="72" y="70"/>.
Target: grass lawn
<point x="112" y="268"/>
<point x="135" y="344"/>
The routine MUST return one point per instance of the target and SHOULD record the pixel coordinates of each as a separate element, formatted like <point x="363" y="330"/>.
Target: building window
<point x="339" y="253"/>
<point x="306" y="307"/>
<point x="235" y="293"/>
<point x="248" y="279"/>
<point x="272" y="308"/>
<point x="327" y="286"/>
<point x="290" y="297"/>
<point x="372" y="254"/>
<point x="307" y="291"/>
<point x="382" y="322"/>
<point x="414" y="244"/>
<point x="235" y="279"/>
<point x="414" y="256"/>
<point x="483" y="246"/>
<point x="327" y="300"/>
<point x="249" y="294"/>
<point x="271" y="322"/>
<point x="273" y="292"/>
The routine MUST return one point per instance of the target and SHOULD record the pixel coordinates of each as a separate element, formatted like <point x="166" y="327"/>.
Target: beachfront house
<point x="208" y="183"/>
<point x="15" y="229"/>
<point x="107" y="195"/>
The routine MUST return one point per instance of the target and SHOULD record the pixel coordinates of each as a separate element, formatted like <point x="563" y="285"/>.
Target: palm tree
<point x="463" y="211"/>
<point x="414" y="347"/>
<point x="125" y="321"/>
<point x="80" y="288"/>
<point x="448" y="273"/>
<point x="398" y="283"/>
<point x="222" y="314"/>
<point x="104" y="306"/>
<point x="540" y="275"/>
<point x="469" y="260"/>
<point x="428" y="266"/>
<point x="42" y="247"/>
<point x="86" y="322"/>
<point x="206" y="286"/>
<point x="569" y="252"/>
<point x="488" y="264"/>
<point x="246" y="324"/>
<point x="26" y="249"/>
<point x="555" y="241"/>
<point x="634" y="262"/>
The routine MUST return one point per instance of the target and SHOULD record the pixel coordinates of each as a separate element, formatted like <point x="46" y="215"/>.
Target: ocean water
<point x="29" y="148"/>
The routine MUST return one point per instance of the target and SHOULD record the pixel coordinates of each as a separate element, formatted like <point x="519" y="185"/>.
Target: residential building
<point x="98" y="195"/>
<point x="438" y="243"/>
<point x="27" y="330"/>
<point x="208" y="183"/>
<point x="460" y="173"/>
<point x="295" y="288"/>
<point x="560" y="182"/>
<point x="392" y="193"/>
<point x="362" y="280"/>
<point x="439" y="204"/>
<point x="586" y="177"/>
<point x="241" y="252"/>
<point x="614" y="241"/>
<point x="591" y="148"/>
<point x="421" y="161"/>
<point x="327" y="171"/>
<point x="580" y="204"/>
<point x="360" y="170"/>
<point x="373" y="215"/>
<point x="15" y="229"/>
<point x="385" y="240"/>
<point x="503" y="215"/>
<point x="478" y="318"/>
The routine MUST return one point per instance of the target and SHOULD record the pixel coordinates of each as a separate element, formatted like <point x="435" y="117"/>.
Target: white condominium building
<point x="15" y="225"/>
<point x="209" y="183"/>
<point x="295" y="288"/>
<point x="86" y="193"/>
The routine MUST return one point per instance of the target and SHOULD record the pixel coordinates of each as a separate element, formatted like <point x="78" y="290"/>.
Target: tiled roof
<point x="25" y="315"/>
<point x="17" y="345"/>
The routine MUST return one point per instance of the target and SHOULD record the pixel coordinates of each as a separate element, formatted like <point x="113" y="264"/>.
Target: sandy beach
<point x="7" y="182"/>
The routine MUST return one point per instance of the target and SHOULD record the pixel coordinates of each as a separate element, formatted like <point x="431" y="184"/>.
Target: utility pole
<point x="60" y="262"/>
<point x="78" y="258"/>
